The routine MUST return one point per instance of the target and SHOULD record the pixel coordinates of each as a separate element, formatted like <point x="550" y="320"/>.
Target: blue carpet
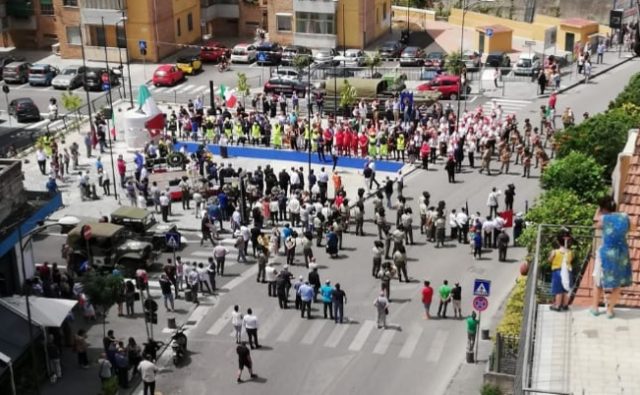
<point x="291" y="156"/>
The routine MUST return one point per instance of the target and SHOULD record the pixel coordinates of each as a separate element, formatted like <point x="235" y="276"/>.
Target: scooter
<point x="178" y="346"/>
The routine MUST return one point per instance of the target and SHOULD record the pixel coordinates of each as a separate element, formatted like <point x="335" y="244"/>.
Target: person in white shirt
<point x="294" y="210"/>
<point x="193" y="280"/>
<point x="487" y="231"/>
<point x="250" y="322"/>
<point x="148" y="372"/>
<point x="41" y="157"/>
<point x="462" y="219"/>
<point x="219" y="254"/>
<point x="164" y="206"/>
<point x="492" y="202"/>
<point x="236" y="322"/>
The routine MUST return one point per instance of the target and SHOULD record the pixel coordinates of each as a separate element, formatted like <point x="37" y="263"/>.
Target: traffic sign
<point x="528" y="43"/>
<point x="86" y="233"/>
<point x="481" y="287"/>
<point x="262" y="56"/>
<point x="172" y="239"/>
<point x="5" y="89"/>
<point x="106" y="87"/>
<point x="480" y="303"/>
<point x="488" y="32"/>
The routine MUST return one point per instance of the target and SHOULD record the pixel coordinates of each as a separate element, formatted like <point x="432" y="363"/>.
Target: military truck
<point x="143" y="224"/>
<point x="108" y="246"/>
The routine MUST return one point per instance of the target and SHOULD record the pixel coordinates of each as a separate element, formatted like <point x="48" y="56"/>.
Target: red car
<point x="448" y="86"/>
<point x="214" y="51"/>
<point x="167" y="75"/>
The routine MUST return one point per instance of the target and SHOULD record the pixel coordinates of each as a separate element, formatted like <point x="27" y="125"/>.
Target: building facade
<point x="123" y="26"/>
<point x="238" y="18"/>
<point x="27" y="24"/>
<point x="328" y="23"/>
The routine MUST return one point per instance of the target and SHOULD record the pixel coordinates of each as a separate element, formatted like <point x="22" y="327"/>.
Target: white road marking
<point x="336" y="335"/>
<point x="384" y="342"/>
<point x="220" y="323"/>
<point x="410" y="344"/>
<point x="290" y="329"/>
<point x="437" y="346"/>
<point x="362" y="335"/>
<point x="313" y="332"/>
<point x="274" y="318"/>
<point x="242" y="278"/>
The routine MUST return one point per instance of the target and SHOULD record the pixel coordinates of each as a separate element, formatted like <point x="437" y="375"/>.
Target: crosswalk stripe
<point x="184" y="88"/>
<point x="410" y="344"/>
<point x="220" y="323"/>
<point x="289" y="330"/>
<point x="437" y="346"/>
<point x="200" y="89"/>
<point x="336" y="335"/>
<point x="362" y="335"/>
<point x="273" y="319"/>
<point x="37" y="125"/>
<point x="313" y="332"/>
<point x="384" y="342"/>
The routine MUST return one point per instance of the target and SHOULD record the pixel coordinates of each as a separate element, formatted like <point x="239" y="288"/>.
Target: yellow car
<point x="190" y="64"/>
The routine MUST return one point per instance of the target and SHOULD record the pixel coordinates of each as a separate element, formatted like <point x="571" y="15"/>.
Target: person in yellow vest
<point x="256" y="135"/>
<point x="209" y="134"/>
<point x="307" y="136"/>
<point x="238" y="134"/>
<point x="228" y="129"/>
<point x="400" y="145"/>
<point x="384" y="148"/>
<point x="373" y="151"/>
<point x="276" y="136"/>
<point x="314" y="140"/>
<point x="556" y="258"/>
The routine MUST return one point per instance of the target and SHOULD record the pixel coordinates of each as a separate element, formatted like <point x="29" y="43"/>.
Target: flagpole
<point x="110" y="99"/>
<point x="84" y="84"/>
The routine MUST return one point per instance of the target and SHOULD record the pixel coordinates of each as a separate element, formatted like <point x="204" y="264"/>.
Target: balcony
<point x="227" y="11"/>
<point x="103" y="4"/>
<point x="93" y="16"/>
<point x="315" y="40"/>
<point x="23" y="23"/>
<point x="113" y="54"/>
<point x="319" y="6"/>
<point x="19" y="9"/>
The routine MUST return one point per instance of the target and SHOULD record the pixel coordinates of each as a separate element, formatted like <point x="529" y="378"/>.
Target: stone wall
<point x="11" y="189"/>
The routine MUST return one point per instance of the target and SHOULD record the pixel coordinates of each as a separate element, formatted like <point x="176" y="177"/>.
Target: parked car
<point x="527" y="64"/>
<point x="93" y="78"/>
<point x="391" y="50"/>
<point x="167" y="75"/>
<point x="213" y="51"/>
<point x="5" y="61"/>
<point x="42" y="74"/>
<point x="243" y="53"/>
<point x="70" y="77"/>
<point x="325" y="56"/>
<point x="412" y="56"/>
<point x="24" y="109"/>
<point x="449" y="86"/>
<point x="435" y="59"/>
<point x="498" y="59"/>
<point x="189" y="64"/>
<point x="428" y="74"/>
<point x="472" y="60"/>
<point x="351" y="58"/>
<point x="143" y="225"/>
<point x="268" y="53"/>
<point x="290" y="52"/>
<point x="338" y="72"/>
<point x="286" y="72"/>
<point x="16" y="72"/>
<point x="285" y="85"/>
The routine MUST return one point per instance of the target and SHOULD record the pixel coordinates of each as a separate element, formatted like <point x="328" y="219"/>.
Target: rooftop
<point x="578" y="22"/>
<point x="495" y="28"/>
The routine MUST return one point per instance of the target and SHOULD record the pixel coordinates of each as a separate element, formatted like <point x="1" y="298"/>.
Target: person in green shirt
<point x="472" y="329"/>
<point x="445" y="298"/>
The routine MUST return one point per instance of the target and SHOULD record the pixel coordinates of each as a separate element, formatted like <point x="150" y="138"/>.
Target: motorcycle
<point x="223" y="66"/>
<point x="178" y="346"/>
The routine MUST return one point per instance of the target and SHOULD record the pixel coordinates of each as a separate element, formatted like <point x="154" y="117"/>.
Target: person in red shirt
<point x="427" y="296"/>
<point x="340" y="141"/>
<point x="364" y="144"/>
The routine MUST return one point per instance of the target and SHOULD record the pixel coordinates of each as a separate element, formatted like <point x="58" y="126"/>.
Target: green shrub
<point x="576" y="172"/>
<point x="630" y="93"/>
<point x="511" y="322"/>
<point x="490" y="389"/>
<point x="602" y="136"/>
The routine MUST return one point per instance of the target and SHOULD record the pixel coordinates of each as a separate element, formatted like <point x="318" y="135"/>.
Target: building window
<point x="283" y="21"/>
<point x="190" y="22"/>
<point x="384" y="11"/>
<point x="315" y="23"/>
<point x="70" y="3"/>
<point x="73" y="35"/>
<point x="46" y="7"/>
<point x="101" y="38"/>
<point x="178" y="27"/>
<point x="121" y="37"/>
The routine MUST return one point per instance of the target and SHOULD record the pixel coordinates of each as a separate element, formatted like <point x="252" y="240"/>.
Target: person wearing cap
<point x="326" y="291"/>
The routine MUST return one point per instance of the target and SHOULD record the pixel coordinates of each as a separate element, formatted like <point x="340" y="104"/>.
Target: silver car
<point x="351" y="58"/>
<point x="71" y="77"/>
<point x="325" y="56"/>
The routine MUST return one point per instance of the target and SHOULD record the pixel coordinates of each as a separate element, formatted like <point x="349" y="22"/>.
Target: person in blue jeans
<point x="338" y="300"/>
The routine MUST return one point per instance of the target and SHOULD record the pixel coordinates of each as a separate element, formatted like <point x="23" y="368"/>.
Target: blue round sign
<point x="106" y="87"/>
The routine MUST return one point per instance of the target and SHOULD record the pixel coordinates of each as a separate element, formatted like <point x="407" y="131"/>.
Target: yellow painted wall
<point x="500" y="41"/>
<point x="140" y="27"/>
<point x="381" y="27"/>
<point x="352" y="24"/>
<point x="181" y="9"/>
<point x="581" y="34"/>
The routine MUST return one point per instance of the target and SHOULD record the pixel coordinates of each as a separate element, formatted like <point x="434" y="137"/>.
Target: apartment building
<point x="27" y="23"/>
<point x="162" y="26"/>
<point x="328" y="23"/>
<point x="236" y="18"/>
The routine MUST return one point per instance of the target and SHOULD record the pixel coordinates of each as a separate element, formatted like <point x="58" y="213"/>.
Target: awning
<point x="44" y="311"/>
<point x="14" y="335"/>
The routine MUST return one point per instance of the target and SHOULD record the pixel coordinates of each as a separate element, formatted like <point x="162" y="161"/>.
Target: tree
<point x="454" y="63"/>
<point x="243" y="87"/>
<point x="630" y="93"/>
<point x="348" y="96"/>
<point x="301" y="62"/>
<point x="103" y="291"/>
<point x="72" y="102"/>
<point x="373" y="61"/>
<point x="576" y="172"/>
<point x="602" y="136"/>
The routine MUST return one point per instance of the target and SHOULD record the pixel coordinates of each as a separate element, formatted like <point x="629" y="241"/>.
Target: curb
<point x="604" y="70"/>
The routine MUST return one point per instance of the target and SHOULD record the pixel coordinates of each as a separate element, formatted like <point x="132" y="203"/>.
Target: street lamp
<point x="123" y="20"/>
<point x="108" y="86"/>
<point x="466" y="6"/>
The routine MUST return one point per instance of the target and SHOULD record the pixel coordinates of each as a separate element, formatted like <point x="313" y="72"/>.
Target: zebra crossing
<point x="286" y="327"/>
<point x="192" y="90"/>
<point x="509" y="106"/>
<point x="52" y="125"/>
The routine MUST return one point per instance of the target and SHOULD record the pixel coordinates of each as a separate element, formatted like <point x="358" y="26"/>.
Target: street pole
<point x="5" y="89"/>
<point x="110" y="97"/>
<point x="475" y="353"/>
<point x="84" y="82"/>
<point x="309" y="110"/>
<point x="211" y="95"/>
<point x="464" y="13"/>
<point x="126" y="44"/>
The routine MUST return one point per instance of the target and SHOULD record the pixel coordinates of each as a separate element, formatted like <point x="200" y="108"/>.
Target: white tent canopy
<point x="44" y="311"/>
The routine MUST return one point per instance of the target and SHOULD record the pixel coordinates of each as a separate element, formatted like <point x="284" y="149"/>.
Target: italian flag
<point x="228" y="95"/>
<point x="148" y="106"/>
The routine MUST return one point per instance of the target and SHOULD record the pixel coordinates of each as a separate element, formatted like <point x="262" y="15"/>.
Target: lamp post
<point x="309" y="110"/>
<point x="110" y="97"/>
<point x="465" y="7"/>
<point x="123" y="20"/>
<point x="84" y="82"/>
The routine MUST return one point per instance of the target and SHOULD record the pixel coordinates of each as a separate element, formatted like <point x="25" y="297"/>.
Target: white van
<point x="527" y="64"/>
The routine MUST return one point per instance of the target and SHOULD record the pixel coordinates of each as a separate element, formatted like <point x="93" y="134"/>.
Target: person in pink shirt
<point x="427" y="297"/>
